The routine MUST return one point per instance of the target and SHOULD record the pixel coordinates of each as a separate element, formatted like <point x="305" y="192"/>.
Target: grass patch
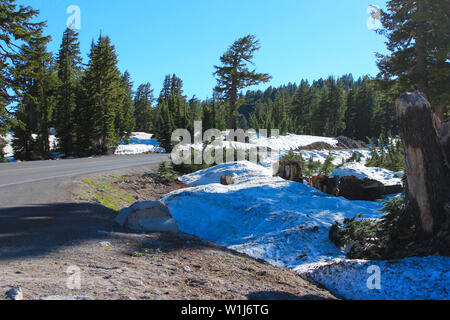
<point x="104" y="194"/>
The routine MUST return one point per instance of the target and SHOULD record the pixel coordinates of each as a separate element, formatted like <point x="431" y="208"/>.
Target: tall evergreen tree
<point x="69" y="73"/>
<point x="37" y="101"/>
<point x="418" y="37"/>
<point x="235" y="75"/>
<point x="101" y="101"/>
<point x="125" y="120"/>
<point x="143" y="107"/>
<point x="17" y="25"/>
<point x="172" y="111"/>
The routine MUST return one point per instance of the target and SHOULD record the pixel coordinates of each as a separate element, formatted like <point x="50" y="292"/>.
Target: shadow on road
<point x="38" y="229"/>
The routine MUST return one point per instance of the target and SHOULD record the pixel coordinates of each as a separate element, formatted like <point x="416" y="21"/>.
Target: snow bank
<point x="267" y="217"/>
<point x="418" y="278"/>
<point x="287" y="224"/>
<point x="140" y="142"/>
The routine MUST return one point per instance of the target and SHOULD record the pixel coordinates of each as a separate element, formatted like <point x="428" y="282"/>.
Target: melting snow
<point x="287" y="224"/>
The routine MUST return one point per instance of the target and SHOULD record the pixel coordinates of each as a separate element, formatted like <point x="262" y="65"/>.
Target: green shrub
<point x="392" y="232"/>
<point x="291" y="156"/>
<point x="389" y="156"/>
<point x="354" y="230"/>
<point x="327" y="167"/>
<point x="164" y="174"/>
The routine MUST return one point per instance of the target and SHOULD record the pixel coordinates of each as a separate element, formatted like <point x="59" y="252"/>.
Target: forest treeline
<point x="95" y="106"/>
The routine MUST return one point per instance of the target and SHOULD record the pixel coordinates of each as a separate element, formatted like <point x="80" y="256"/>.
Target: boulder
<point x="147" y="216"/>
<point x="226" y="180"/>
<point x="290" y="170"/>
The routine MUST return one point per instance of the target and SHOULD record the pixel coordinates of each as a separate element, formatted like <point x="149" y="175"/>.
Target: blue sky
<point x="300" y="39"/>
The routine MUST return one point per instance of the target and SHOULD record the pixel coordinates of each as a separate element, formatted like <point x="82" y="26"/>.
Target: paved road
<point x="44" y="181"/>
<point x="26" y="172"/>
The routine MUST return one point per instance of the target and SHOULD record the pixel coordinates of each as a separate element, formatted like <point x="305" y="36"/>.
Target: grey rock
<point x="187" y="269"/>
<point x="147" y="216"/>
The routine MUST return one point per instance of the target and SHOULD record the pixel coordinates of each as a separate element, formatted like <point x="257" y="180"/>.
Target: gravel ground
<point x="45" y="246"/>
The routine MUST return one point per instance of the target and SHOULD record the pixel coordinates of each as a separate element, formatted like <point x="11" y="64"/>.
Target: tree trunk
<point x="427" y="176"/>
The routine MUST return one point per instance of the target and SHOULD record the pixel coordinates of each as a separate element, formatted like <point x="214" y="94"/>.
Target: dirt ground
<point x="44" y="249"/>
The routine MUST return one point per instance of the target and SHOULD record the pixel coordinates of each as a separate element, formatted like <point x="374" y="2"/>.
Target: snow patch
<point x="418" y="278"/>
<point x="140" y="142"/>
<point x="359" y="170"/>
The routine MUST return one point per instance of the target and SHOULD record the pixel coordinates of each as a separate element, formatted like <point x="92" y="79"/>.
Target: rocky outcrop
<point x="352" y="188"/>
<point x="226" y="180"/>
<point x="348" y="143"/>
<point x="290" y="170"/>
<point x="147" y="216"/>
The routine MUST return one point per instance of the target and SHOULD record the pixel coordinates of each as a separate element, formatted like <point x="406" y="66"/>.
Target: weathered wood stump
<point x="427" y="175"/>
<point x="290" y="170"/>
<point x="352" y="188"/>
<point x="325" y="184"/>
<point x="226" y="180"/>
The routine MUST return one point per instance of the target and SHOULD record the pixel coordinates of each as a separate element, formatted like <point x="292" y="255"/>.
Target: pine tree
<point x="336" y="108"/>
<point x="418" y="37"/>
<point x="143" y="101"/>
<point x="39" y="83"/>
<point x="125" y="120"/>
<point x="235" y="75"/>
<point x="172" y="111"/>
<point x="279" y="114"/>
<point x="17" y="25"/>
<point x="101" y="101"/>
<point x="69" y="73"/>
<point x="303" y="106"/>
<point x="364" y="106"/>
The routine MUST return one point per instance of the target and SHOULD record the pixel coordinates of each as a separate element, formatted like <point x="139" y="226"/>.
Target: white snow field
<point x="140" y="142"/>
<point x="281" y="143"/>
<point x="287" y="224"/>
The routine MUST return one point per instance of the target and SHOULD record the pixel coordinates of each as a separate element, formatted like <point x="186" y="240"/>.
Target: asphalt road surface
<point x="43" y="181"/>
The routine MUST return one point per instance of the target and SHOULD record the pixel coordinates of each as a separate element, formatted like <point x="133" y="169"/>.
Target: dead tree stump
<point x="427" y="176"/>
<point x="290" y="170"/>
